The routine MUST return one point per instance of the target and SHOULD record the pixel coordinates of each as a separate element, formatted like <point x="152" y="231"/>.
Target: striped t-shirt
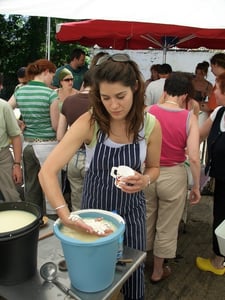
<point x="34" y="100"/>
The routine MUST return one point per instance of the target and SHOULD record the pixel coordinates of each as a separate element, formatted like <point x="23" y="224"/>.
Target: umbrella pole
<point x="164" y="54"/>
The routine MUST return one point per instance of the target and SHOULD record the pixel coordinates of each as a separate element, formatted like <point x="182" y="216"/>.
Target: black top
<point x="216" y="149"/>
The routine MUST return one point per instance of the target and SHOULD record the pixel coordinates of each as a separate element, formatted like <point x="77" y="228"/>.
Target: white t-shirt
<point x="154" y="91"/>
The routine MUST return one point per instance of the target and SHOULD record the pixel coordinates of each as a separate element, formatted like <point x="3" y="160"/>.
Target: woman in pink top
<point x="166" y="197"/>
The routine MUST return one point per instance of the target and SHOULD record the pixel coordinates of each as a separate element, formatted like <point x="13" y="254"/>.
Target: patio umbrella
<point x="200" y="13"/>
<point x="138" y="35"/>
<point x="196" y="14"/>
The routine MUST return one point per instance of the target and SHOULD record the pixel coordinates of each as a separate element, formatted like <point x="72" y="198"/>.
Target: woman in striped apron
<point x="115" y="132"/>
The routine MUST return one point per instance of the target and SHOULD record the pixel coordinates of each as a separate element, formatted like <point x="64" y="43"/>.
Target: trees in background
<point x="23" y="40"/>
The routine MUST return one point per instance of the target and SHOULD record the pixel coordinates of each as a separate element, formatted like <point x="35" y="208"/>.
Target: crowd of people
<point x="87" y="120"/>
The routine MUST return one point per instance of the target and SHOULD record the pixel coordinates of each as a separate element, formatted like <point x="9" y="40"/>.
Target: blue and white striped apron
<point x="100" y="192"/>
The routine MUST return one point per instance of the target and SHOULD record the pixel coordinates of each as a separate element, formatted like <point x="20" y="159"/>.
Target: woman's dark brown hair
<point x="221" y="82"/>
<point x="218" y="59"/>
<point x="203" y="67"/>
<point x="129" y="75"/>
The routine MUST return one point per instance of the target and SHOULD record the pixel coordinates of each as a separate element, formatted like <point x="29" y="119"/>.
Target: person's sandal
<point x="166" y="273"/>
<point x="205" y="264"/>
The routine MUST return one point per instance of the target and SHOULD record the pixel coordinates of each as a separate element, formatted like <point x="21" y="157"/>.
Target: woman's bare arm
<point x="62" y="127"/>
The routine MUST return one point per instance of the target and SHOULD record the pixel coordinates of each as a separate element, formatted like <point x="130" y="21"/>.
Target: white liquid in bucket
<point x="11" y="220"/>
<point x="86" y="237"/>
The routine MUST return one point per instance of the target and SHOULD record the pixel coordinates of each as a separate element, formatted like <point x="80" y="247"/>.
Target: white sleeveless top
<point x="149" y="124"/>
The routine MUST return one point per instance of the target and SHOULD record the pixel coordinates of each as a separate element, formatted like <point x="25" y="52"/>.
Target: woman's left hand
<point x="195" y="195"/>
<point x="135" y="183"/>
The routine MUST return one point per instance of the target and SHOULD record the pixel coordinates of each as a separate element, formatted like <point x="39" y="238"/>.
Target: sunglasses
<point x="119" y="57"/>
<point x="68" y="79"/>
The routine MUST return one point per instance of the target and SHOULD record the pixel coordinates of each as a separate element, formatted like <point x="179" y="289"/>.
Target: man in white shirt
<point x="155" y="88"/>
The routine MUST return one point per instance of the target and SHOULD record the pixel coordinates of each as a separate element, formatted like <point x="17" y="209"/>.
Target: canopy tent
<point x="139" y="35"/>
<point x="197" y="14"/>
<point x="200" y="13"/>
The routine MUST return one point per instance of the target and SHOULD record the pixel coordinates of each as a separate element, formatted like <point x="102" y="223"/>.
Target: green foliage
<point x="23" y="40"/>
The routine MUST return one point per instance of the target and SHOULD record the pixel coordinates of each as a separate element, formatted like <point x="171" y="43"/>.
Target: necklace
<point x="172" y="102"/>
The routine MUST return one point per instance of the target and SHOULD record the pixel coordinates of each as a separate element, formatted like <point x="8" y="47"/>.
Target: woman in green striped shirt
<point x="40" y="113"/>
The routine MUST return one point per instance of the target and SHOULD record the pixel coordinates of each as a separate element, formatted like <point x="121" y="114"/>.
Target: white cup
<point x="119" y="173"/>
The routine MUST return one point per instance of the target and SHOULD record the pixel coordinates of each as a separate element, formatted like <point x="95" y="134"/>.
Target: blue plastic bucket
<point x="91" y="265"/>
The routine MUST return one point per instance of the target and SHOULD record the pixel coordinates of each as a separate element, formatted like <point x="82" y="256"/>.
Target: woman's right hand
<point x="76" y="222"/>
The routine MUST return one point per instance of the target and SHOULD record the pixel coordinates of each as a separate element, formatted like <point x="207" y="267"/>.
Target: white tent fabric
<point x="194" y="13"/>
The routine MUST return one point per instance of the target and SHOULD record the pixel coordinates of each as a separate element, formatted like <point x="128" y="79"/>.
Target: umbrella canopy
<point x="200" y="13"/>
<point x="138" y="35"/>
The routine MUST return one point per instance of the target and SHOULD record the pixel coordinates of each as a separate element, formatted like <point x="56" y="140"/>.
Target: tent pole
<point x="164" y="54"/>
<point x="48" y="38"/>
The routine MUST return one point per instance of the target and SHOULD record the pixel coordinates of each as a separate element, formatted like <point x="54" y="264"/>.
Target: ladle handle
<point x="64" y="289"/>
<point x="70" y="293"/>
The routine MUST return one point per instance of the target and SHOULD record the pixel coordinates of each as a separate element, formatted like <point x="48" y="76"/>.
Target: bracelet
<point x="60" y="206"/>
<point x="149" y="180"/>
<point x="16" y="163"/>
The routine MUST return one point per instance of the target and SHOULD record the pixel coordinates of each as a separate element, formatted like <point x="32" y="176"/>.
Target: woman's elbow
<point x="60" y="134"/>
<point x="41" y="175"/>
<point x="44" y="174"/>
<point x="194" y="160"/>
<point x="59" y="137"/>
<point x="54" y="125"/>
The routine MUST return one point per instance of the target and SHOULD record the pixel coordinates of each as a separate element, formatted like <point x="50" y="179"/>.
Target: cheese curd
<point x="99" y="226"/>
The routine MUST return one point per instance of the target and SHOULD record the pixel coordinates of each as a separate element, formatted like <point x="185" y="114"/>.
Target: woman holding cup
<point x="116" y="131"/>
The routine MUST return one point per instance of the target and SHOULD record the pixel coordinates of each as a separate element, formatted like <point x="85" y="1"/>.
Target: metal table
<point x="49" y="249"/>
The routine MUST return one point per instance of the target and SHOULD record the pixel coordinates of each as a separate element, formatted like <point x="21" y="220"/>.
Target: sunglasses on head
<point x="68" y="79"/>
<point x="118" y="57"/>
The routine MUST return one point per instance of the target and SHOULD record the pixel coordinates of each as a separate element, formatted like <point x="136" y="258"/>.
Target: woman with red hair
<point x="40" y="113"/>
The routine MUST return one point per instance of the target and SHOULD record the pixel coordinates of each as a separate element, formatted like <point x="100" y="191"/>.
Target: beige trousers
<point x="165" y="200"/>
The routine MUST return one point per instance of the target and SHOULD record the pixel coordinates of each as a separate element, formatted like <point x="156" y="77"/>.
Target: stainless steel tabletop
<point x="49" y="249"/>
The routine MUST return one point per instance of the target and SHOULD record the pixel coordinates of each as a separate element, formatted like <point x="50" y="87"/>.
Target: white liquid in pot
<point x="86" y="237"/>
<point x="11" y="220"/>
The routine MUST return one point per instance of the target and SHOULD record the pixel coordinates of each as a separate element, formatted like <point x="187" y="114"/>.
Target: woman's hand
<point x="17" y="174"/>
<point x="195" y="195"/>
<point x="135" y="183"/>
<point x="22" y="125"/>
<point x="76" y="222"/>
